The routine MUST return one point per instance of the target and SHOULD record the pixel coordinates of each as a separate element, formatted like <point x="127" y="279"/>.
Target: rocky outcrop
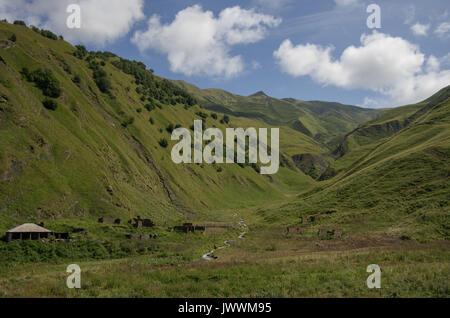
<point x="312" y="164"/>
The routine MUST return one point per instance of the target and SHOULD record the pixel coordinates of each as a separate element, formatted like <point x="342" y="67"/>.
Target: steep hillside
<point x="329" y="121"/>
<point x="394" y="176"/>
<point x="88" y="133"/>
<point x="369" y="135"/>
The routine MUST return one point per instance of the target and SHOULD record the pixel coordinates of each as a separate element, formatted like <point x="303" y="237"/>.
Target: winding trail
<point x="210" y="255"/>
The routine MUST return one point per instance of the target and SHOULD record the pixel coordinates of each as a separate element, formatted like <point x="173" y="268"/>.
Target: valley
<point x="87" y="135"/>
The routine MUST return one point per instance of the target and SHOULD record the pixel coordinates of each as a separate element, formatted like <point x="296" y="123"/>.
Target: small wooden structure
<point x="27" y="231"/>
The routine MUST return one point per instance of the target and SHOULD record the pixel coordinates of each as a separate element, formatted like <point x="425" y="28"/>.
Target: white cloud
<point x="389" y="65"/>
<point x="445" y="60"/>
<point x="102" y="21"/>
<point x="420" y="29"/>
<point x="345" y="3"/>
<point x="198" y="43"/>
<point x="442" y="29"/>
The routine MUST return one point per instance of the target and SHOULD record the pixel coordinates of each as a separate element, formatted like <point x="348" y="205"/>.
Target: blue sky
<point x="324" y="49"/>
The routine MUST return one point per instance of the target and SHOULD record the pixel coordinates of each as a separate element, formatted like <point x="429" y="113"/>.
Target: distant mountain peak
<point x="259" y="93"/>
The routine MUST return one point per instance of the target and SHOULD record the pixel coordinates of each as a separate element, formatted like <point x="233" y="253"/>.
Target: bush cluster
<point x="128" y="121"/>
<point x="100" y="77"/>
<point x="80" y="52"/>
<point x="44" y="80"/>
<point x="50" y="104"/>
<point x="163" y="142"/>
<point x="37" y="251"/>
<point x="151" y="87"/>
<point x="225" y="120"/>
<point x="49" y="34"/>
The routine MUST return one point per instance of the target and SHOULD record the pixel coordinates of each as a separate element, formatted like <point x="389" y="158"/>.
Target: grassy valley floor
<point x="265" y="263"/>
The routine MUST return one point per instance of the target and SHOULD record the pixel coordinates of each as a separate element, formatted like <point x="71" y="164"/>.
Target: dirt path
<point x="210" y="255"/>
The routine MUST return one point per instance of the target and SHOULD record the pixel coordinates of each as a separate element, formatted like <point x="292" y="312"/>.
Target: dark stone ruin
<point x="293" y="229"/>
<point x="139" y="223"/>
<point x="109" y="221"/>
<point x="332" y="232"/>
<point x="189" y="228"/>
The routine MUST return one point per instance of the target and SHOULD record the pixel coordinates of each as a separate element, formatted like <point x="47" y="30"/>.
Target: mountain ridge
<point x="324" y="121"/>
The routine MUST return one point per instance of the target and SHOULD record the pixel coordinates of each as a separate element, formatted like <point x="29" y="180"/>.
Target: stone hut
<point x="335" y="232"/>
<point x="147" y="223"/>
<point x="141" y="236"/>
<point x="61" y="235"/>
<point x="186" y="227"/>
<point x="137" y="222"/>
<point x="200" y="228"/>
<point x="314" y="218"/>
<point x="293" y="229"/>
<point x="27" y="231"/>
<point x="109" y="221"/>
<point x="80" y="230"/>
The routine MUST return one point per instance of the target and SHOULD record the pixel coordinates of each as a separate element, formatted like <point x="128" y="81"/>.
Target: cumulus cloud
<point x="420" y="29"/>
<point x="443" y="29"/>
<point x="198" y="43"/>
<point x="102" y="21"/>
<point x="445" y="60"/>
<point x="389" y="65"/>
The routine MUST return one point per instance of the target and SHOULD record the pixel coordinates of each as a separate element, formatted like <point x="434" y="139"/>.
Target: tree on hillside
<point x="50" y="104"/>
<point x="81" y="52"/>
<point x="44" y="80"/>
<point x="163" y="142"/>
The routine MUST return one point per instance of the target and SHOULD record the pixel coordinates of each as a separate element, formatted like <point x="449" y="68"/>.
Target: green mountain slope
<point x="326" y="122"/>
<point x="393" y="177"/>
<point x="99" y="152"/>
<point x="88" y="134"/>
